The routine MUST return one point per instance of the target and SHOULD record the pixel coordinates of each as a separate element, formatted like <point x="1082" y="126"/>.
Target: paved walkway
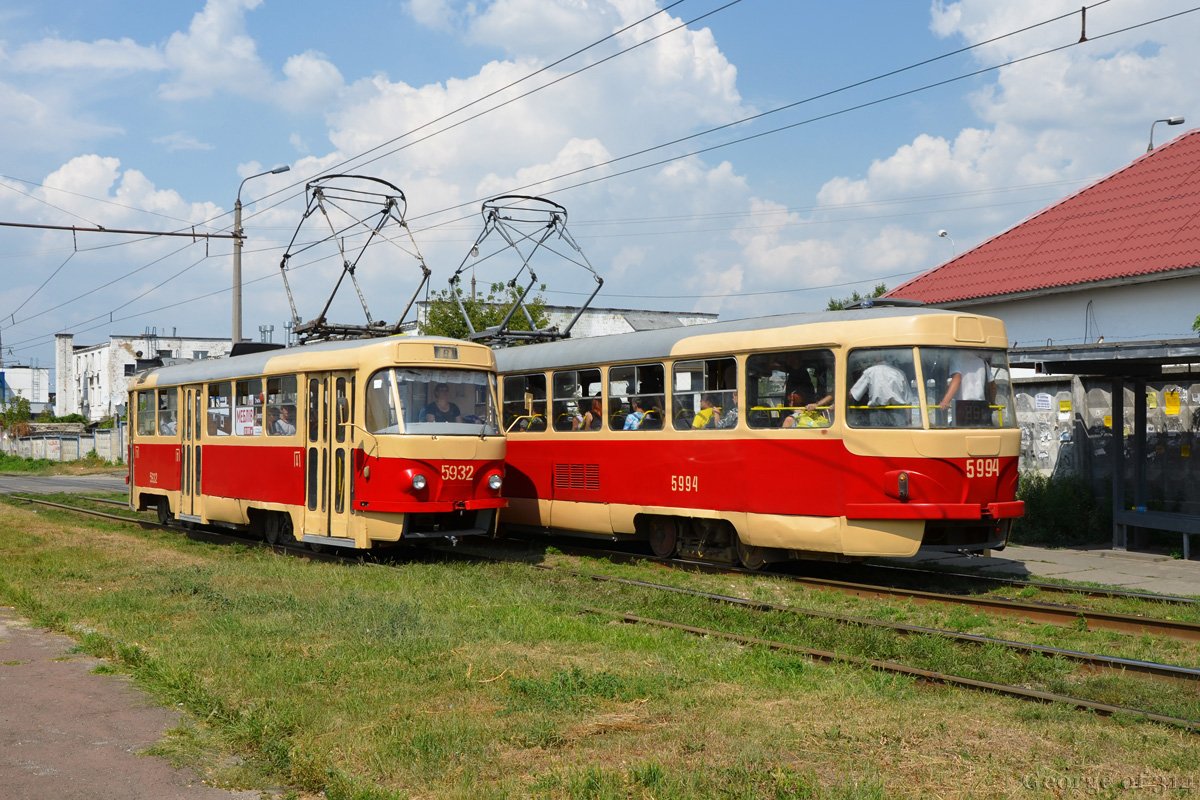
<point x="1132" y="570"/>
<point x="69" y="734"/>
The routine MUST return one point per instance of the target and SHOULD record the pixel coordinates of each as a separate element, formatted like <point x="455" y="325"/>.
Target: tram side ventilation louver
<point x="577" y="476"/>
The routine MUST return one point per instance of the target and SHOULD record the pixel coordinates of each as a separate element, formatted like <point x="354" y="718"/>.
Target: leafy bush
<point x="1061" y="511"/>
<point x="21" y="464"/>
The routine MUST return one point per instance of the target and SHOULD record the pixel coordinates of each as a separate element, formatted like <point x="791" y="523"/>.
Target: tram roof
<point x="212" y="369"/>
<point x="620" y="347"/>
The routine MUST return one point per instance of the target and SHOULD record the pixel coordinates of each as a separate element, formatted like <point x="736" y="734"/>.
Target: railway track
<point x="1062" y="615"/>
<point x="1089" y="661"/>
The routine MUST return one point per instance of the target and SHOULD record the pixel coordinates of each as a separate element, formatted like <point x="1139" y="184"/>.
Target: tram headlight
<point x="494" y="482"/>
<point x="419" y="481"/>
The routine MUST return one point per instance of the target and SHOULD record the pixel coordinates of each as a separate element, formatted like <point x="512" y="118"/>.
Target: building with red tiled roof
<point x="1119" y="259"/>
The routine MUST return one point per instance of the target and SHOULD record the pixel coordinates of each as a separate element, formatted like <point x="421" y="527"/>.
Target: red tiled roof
<point x="1143" y="219"/>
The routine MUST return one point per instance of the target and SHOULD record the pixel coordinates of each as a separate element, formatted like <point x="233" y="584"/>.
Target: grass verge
<point x="485" y="680"/>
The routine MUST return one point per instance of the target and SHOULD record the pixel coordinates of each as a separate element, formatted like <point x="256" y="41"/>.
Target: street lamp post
<point x="238" y="236"/>
<point x="1169" y="121"/>
<point x="945" y="234"/>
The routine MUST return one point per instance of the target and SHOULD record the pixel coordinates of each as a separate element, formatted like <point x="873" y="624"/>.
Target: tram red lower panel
<point x="156" y="466"/>
<point x="264" y="474"/>
<point x="813" y="477"/>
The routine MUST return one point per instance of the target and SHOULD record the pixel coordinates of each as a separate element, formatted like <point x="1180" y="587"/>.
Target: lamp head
<point x="1175" y="121"/>
<point x="943" y="233"/>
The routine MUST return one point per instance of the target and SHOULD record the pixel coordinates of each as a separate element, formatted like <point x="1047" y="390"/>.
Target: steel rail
<point x="144" y="523"/>
<point x="1089" y="659"/>
<point x="124" y="503"/>
<point x="1067" y="616"/>
<point x="902" y="669"/>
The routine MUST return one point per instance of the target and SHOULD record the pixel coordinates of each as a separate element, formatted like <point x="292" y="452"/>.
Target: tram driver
<point x="441" y="409"/>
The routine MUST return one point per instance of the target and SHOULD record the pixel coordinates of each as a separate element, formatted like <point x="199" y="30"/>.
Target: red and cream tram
<point x="840" y="434"/>
<point x="350" y="444"/>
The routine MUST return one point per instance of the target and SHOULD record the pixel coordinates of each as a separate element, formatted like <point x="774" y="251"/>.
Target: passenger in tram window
<point x="969" y="379"/>
<point x="592" y="419"/>
<point x="281" y="422"/>
<point x="729" y="411"/>
<point x="168" y="424"/>
<point x="882" y="385"/>
<point x="709" y="415"/>
<point x="634" y="420"/>
<point x="619" y="415"/>
<point x="441" y="409"/>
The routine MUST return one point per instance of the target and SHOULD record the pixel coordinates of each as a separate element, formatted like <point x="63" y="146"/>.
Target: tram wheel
<point x="752" y="556"/>
<point x="278" y="529"/>
<point x="164" y="511"/>
<point x="316" y="548"/>
<point x="663" y="537"/>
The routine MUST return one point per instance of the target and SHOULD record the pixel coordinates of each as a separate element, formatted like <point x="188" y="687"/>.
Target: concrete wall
<point x="109" y="444"/>
<point x="1069" y="431"/>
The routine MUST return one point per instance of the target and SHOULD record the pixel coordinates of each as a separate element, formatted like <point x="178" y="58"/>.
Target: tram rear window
<point x="636" y="397"/>
<point x="882" y="388"/>
<point x="445" y="402"/>
<point x="704" y="394"/>
<point x="967" y="388"/>
<point x="145" y="413"/>
<point x="577" y="402"/>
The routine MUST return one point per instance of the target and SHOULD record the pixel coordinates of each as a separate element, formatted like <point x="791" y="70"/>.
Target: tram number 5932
<point x="457" y="472"/>
<point x="685" y="483"/>
<point x="983" y="467"/>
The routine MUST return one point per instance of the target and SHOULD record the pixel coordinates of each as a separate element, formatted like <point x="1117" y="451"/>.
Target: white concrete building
<point x="32" y="383"/>
<point x="91" y="380"/>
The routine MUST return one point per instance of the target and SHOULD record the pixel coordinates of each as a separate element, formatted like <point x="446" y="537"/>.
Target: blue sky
<point x="144" y="116"/>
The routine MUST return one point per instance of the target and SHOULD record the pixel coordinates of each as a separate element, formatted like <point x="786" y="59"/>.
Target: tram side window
<point x="636" y="397"/>
<point x="220" y="409"/>
<point x="577" y="402"/>
<point x="281" y="405"/>
<point x="967" y="388"/>
<point x="790" y="389"/>
<point x="248" y="410"/>
<point x="704" y="394"/>
<point x="524" y="403"/>
<point x="145" y="413"/>
<point x="168" y="419"/>
<point x="882" y="388"/>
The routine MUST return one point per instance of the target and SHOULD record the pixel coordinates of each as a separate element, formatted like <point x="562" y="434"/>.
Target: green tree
<point x="17" y="413"/>
<point x="443" y="317"/>
<point x="1196" y="325"/>
<point x="838" y="305"/>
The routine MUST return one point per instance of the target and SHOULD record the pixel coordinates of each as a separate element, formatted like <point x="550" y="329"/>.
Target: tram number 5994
<point x="685" y="483"/>
<point x="983" y="467"/>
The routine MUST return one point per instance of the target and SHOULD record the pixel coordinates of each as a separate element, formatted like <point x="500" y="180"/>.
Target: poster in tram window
<point x="246" y="421"/>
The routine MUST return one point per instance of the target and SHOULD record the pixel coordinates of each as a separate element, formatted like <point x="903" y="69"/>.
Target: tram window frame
<point x="147" y="405"/>
<point x="878" y="407"/>
<point x="706" y="379"/>
<point x="219" y="409"/>
<point x="796" y="377"/>
<point x="574" y="391"/>
<point x="282" y="393"/>
<point x="649" y="387"/>
<point x="168" y="412"/>
<point x="248" y="408"/>
<point x="524" y="403"/>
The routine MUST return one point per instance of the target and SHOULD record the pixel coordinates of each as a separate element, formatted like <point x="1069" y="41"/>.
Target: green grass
<point x="489" y="680"/>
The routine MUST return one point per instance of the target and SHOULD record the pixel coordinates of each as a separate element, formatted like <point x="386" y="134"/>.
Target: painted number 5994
<point x="983" y="467"/>
<point x="685" y="483"/>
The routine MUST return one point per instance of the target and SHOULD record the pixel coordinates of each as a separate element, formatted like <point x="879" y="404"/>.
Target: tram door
<point x="328" y="462"/>
<point x="189" y="482"/>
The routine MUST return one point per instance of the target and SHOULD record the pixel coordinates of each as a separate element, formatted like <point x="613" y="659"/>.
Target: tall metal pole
<point x="238" y="236"/>
<point x="237" y="268"/>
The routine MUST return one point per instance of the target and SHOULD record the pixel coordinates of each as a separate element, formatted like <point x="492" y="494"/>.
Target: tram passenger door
<point x="189" y="482"/>
<point x="327" y="461"/>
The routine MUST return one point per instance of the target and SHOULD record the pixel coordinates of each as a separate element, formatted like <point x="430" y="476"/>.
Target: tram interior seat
<point x="652" y="421"/>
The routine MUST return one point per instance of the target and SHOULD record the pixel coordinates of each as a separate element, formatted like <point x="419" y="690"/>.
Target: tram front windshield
<point x="431" y="401"/>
